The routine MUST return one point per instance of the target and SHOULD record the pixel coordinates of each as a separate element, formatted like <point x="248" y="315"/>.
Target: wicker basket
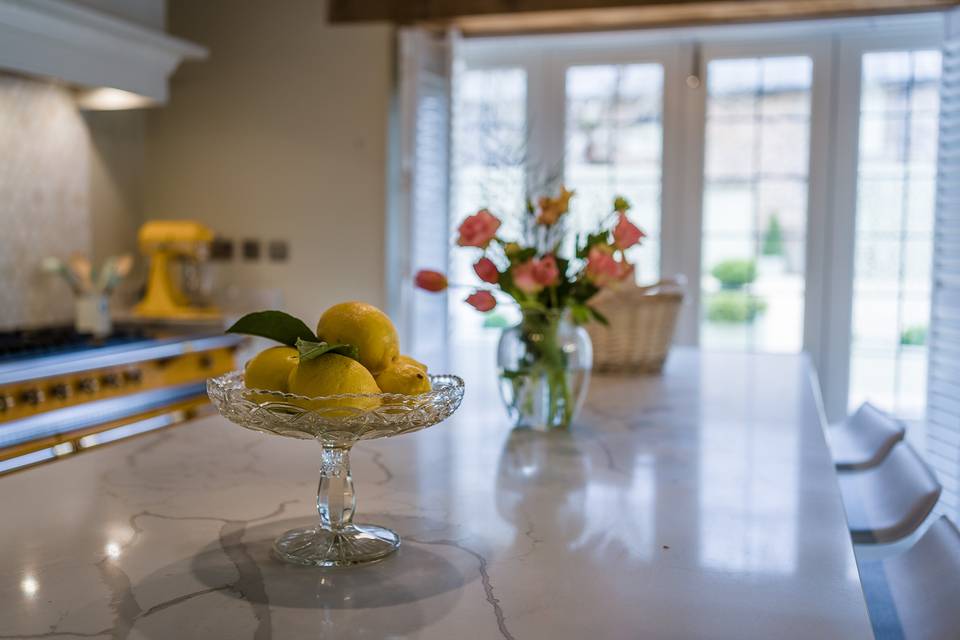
<point x="642" y="323"/>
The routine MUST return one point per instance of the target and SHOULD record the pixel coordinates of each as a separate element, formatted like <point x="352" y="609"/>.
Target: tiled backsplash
<point x="44" y="198"/>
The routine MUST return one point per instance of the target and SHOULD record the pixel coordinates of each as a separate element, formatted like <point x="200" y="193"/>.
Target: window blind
<point x="421" y="225"/>
<point x="943" y="391"/>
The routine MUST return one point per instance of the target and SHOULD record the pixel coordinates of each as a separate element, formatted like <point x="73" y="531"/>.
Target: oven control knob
<point x="132" y="376"/>
<point x="110" y="381"/>
<point x="32" y="397"/>
<point x="60" y="391"/>
<point x="87" y="385"/>
<point x="6" y="403"/>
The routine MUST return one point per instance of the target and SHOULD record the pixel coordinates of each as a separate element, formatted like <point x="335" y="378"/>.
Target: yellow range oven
<point x="62" y="392"/>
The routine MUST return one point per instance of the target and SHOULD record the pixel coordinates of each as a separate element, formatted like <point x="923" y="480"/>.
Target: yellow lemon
<point x="408" y="360"/>
<point x="404" y="378"/>
<point x="332" y="374"/>
<point x="270" y="369"/>
<point x="365" y="327"/>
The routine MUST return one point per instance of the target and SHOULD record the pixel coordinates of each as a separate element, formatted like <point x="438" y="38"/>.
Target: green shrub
<point x="733" y="274"/>
<point x="915" y="335"/>
<point x="734" y="307"/>
<point x="773" y="238"/>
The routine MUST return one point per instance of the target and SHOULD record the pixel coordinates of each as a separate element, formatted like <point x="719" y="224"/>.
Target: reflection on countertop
<point x="697" y="504"/>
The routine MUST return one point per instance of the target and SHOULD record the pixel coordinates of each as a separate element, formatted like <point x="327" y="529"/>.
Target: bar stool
<point x="891" y="500"/>
<point x="914" y="595"/>
<point x="864" y="439"/>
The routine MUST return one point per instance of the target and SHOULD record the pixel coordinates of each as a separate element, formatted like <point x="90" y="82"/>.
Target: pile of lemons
<point x="379" y="367"/>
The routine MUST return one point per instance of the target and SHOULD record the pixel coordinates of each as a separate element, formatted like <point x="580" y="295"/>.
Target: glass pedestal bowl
<point x="337" y="422"/>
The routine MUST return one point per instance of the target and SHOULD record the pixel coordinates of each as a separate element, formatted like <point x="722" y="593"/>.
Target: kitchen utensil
<point x="107" y="275"/>
<point x="82" y="270"/>
<point x="51" y="264"/>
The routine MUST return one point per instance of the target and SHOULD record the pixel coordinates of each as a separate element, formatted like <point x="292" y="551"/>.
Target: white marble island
<point x="701" y="504"/>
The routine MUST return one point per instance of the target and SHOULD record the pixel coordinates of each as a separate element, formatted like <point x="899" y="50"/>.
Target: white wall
<point x="281" y="134"/>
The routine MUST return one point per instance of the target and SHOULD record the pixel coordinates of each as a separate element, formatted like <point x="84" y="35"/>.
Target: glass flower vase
<point x="544" y="366"/>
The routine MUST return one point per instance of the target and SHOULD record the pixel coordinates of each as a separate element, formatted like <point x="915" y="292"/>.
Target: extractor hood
<point x="90" y="49"/>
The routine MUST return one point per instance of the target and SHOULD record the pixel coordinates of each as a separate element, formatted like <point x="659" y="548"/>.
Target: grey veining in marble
<point x="697" y="505"/>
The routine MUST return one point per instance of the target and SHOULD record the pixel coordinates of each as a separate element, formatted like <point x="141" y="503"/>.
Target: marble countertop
<point x="700" y="504"/>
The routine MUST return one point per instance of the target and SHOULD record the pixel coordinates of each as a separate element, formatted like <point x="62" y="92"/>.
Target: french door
<point x="886" y="141"/>
<point x="740" y="149"/>
<point x="718" y="173"/>
<point x="756" y="202"/>
<point x="604" y="134"/>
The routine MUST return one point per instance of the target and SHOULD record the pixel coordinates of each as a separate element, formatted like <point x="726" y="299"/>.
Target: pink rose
<point x="533" y="275"/>
<point x="525" y="278"/>
<point x="626" y="234"/>
<point x="487" y="271"/>
<point x="546" y="272"/>
<point x="482" y="300"/>
<point x="430" y="280"/>
<point x="603" y="269"/>
<point x="478" y="230"/>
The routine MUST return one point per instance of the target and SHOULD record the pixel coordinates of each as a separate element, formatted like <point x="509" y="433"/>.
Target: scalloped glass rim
<point x="391" y="414"/>
<point x="435" y="381"/>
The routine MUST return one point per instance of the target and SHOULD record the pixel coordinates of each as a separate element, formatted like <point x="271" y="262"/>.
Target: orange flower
<point x="551" y="209"/>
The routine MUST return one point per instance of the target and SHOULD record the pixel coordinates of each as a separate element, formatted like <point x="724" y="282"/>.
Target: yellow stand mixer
<point x="165" y="241"/>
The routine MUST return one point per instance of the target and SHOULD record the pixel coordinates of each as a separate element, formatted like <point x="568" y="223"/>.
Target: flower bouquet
<point x="544" y="361"/>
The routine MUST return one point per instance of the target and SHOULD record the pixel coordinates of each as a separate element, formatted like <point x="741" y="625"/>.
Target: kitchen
<point x="169" y="167"/>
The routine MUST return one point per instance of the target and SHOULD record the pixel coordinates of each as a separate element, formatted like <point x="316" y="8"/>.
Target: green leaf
<point x="523" y="255"/>
<point x="601" y="237"/>
<point x="580" y="314"/>
<point x="275" y="325"/>
<point x="310" y="349"/>
<point x="621" y="204"/>
<point x="599" y="317"/>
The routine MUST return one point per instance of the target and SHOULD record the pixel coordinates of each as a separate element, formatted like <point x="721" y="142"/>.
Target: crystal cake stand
<point x="336" y="541"/>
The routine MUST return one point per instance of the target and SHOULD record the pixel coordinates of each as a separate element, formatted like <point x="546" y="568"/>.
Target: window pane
<point x="614" y="147"/>
<point x="894" y="230"/>
<point x="879" y="205"/>
<point x="921" y="206"/>
<point x="783" y="144"/>
<point x="732" y="88"/>
<point x="733" y="147"/>
<point x="488" y="150"/>
<point x="755" y="203"/>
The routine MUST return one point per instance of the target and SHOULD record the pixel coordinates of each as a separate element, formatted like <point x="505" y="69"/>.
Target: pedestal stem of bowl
<point x="336" y="501"/>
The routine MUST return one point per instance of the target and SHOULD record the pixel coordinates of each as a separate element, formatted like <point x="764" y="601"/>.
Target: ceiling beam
<point x="491" y="17"/>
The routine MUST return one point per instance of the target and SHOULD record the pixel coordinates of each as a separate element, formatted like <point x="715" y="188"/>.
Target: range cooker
<point x="63" y="391"/>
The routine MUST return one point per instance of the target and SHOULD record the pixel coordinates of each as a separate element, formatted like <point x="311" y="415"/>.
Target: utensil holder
<point x="93" y="315"/>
